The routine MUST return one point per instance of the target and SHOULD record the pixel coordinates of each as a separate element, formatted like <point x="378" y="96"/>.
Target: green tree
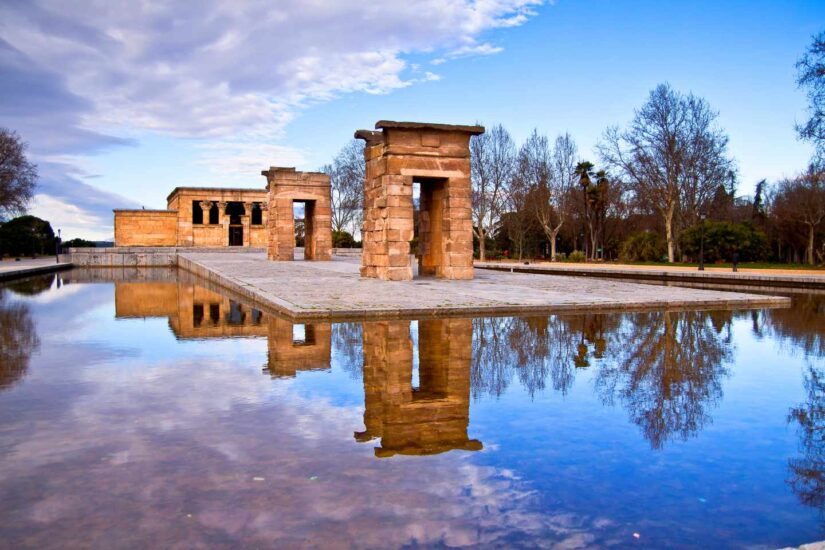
<point x="27" y="236"/>
<point x="723" y="240"/>
<point x="584" y="171"/>
<point x="78" y="243"/>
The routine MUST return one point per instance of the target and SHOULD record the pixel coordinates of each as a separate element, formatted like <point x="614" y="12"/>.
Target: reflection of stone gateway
<point x="432" y="418"/>
<point x="297" y="347"/>
<point x="437" y="156"/>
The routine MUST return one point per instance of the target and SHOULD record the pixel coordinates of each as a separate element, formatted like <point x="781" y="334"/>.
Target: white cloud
<point x="71" y="219"/>
<point x="230" y="68"/>
<point x="82" y="76"/>
<point x="245" y="159"/>
<point x="468" y="50"/>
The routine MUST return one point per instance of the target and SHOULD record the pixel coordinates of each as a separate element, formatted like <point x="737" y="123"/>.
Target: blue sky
<point x="120" y="105"/>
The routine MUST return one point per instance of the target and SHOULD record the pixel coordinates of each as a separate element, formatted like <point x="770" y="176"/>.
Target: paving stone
<point x="334" y="288"/>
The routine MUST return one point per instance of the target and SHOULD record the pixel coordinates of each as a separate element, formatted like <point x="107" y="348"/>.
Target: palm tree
<point x="600" y="208"/>
<point x="584" y="170"/>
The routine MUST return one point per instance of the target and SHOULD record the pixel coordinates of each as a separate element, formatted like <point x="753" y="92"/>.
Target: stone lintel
<point x="387" y="124"/>
<point x="146" y="210"/>
<point x="370" y="136"/>
<point x="432" y="173"/>
<point x="274" y="170"/>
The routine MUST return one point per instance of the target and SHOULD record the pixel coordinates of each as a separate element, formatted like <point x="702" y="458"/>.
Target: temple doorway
<point x="235" y="235"/>
<point x="303" y="212"/>
<point x="428" y="217"/>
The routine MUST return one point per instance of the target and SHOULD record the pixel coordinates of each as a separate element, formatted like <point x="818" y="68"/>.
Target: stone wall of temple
<point x="146" y="227"/>
<point x="205" y="234"/>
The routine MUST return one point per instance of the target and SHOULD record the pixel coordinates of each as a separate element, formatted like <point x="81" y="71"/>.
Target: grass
<point x="742" y="265"/>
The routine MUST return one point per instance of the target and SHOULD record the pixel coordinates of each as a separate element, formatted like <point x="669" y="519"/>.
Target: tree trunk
<point x="553" y="235"/>
<point x="811" y="235"/>
<point x="482" y="252"/>
<point x="594" y="244"/>
<point x="671" y="252"/>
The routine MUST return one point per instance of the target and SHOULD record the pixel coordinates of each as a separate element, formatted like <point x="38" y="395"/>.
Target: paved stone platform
<point x="10" y="269"/>
<point x="335" y="289"/>
<point x="789" y="278"/>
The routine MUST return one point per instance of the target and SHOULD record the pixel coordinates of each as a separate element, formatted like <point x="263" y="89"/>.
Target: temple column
<point x="223" y="221"/>
<point x="206" y="206"/>
<point x="246" y="222"/>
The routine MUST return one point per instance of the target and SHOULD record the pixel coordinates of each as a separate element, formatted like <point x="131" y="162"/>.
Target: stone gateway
<point x="437" y="158"/>
<point x="286" y="187"/>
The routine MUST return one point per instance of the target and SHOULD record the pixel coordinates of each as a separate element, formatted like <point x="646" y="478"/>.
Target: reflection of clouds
<point x="144" y="446"/>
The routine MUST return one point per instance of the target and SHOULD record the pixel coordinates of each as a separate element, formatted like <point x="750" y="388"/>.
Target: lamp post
<point x="702" y="242"/>
<point x="57" y="247"/>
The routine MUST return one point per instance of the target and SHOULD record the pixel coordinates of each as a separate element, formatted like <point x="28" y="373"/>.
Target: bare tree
<point x="801" y="200"/>
<point x="550" y="174"/>
<point x="672" y="155"/>
<point x="18" y="176"/>
<point x="811" y="76"/>
<point x="346" y="175"/>
<point x="493" y="158"/>
<point x="518" y="218"/>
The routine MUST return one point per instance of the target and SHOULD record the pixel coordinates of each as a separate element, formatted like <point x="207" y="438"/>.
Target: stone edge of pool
<point x="248" y="290"/>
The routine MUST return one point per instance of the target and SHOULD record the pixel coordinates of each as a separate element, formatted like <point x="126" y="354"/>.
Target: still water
<point x="141" y="409"/>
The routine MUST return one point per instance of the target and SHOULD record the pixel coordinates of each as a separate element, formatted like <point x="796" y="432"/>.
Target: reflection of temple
<point x="196" y="312"/>
<point x="297" y="347"/>
<point x="433" y="417"/>
<point x="428" y="419"/>
<point x="193" y="311"/>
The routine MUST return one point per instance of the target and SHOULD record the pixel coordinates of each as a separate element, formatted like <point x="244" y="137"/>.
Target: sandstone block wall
<point x="437" y="156"/>
<point x="146" y="227"/>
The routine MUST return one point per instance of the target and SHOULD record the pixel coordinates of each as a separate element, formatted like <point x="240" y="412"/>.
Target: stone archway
<point x="437" y="156"/>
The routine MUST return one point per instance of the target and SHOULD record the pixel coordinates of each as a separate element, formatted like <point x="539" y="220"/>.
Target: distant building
<point x="199" y="217"/>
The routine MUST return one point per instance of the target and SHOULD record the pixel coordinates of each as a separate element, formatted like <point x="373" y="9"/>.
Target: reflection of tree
<point x="534" y="349"/>
<point x="490" y="371"/>
<point x="668" y="371"/>
<point x="347" y="346"/>
<point x="18" y="340"/>
<point x="32" y="285"/>
<point x="808" y="471"/>
<point x="803" y="324"/>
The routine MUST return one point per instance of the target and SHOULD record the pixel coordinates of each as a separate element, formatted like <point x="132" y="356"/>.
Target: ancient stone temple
<point x="428" y="419"/>
<point x="436" y="157"/>
<point x="199" y="217"/>
<point x="286" y="187"/>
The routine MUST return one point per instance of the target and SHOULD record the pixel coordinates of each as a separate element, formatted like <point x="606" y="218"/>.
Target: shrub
<point x="78" y="243"/>
<point x="723" y="239"/>
<point x="343" y="239"/>
<point x="576" y="256"/>
<point x="646" y="246"/>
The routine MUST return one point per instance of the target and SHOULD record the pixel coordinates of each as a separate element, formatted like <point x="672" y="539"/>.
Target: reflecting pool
<point x="148" y="409"/>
